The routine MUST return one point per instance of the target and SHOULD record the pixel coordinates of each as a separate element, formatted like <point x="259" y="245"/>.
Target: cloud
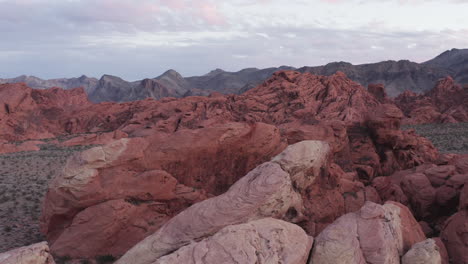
<point x="60" y="38"/>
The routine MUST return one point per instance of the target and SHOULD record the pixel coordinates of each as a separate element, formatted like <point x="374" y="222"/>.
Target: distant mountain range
<point x="397" y="76"/>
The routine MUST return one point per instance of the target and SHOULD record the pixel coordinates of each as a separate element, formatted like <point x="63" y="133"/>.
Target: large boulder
<point x="424" y="252"/>
<point x="420" y="192"/>
<point x="455" y="231"/>
<point x="34" y="254"/>
<point x="261" y="241"/>
<point x="433" y="192"/>
<point x="445" y="103"/>
<point x="266" y="191"/>
<point x="374" y="234"/>
<point x="140" y="183"/>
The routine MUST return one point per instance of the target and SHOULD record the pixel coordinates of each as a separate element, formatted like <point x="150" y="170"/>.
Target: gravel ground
<point x="448" y="138"/>
<point x="24" y="178"/>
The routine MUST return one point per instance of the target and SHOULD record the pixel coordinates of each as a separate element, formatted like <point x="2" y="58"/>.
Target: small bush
<point x="62" y="260"/>
<point x="105" y="259"/>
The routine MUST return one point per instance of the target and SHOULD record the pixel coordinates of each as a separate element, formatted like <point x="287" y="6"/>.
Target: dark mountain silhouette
<point x="397" y="76"/>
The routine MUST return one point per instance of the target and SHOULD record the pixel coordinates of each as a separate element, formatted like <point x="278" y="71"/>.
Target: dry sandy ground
<point x="23" y="182"/>
<point x="448" y="138"/>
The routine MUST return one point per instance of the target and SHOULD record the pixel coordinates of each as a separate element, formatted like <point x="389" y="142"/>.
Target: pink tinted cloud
<point x="332" y="1"/>
<point x="174" y="4"/>
<point x="211" y="14"/>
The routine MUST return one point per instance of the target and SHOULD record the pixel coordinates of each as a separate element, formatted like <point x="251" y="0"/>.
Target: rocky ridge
<point x="161" y="168"/>
<point x="397" y="76"/>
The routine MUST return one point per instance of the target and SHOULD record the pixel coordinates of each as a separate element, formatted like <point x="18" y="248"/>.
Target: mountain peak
<point x="171" y="74"/>
<point x="215" y="71"/>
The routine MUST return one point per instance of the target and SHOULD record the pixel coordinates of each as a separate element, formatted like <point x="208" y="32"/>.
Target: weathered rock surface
<point x="141" y="183"/>
<point x="424" y="252"/>
<point x="433" y="192"/>
<point x="455" y="231"/>
<point x="34" y="254"/>
<point x="204" y="145"/>
<point x="447" y="102"/>
<point x="266" y="191"/>
<point x="261" y="241"/>
<point x="374" y="234"/>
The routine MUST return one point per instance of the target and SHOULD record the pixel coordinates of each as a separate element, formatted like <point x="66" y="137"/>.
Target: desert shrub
<point x="62" y="260"/>
<point x="105" y="259"/>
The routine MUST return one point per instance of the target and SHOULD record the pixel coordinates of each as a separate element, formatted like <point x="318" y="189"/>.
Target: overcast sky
<point x="135" y="39"/>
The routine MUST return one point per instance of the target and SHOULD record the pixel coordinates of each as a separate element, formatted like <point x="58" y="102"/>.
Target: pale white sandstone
<point x="375" y="234"/>
<point x="33" y="254"/>
<point x="304" y="161"/>
<point x="261" y="241"/>
<point x="338" y="243"/>
<point x="266" y="191"/>
<point x="424" y="252"/>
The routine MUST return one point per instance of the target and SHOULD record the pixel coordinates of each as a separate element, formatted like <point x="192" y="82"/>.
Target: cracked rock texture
<point x="266" y="191"/>
<point x="424" y="252"/>
<point x="266" y="240"/>
<point x="374" y="234"/>
<point x="34" y="254"/>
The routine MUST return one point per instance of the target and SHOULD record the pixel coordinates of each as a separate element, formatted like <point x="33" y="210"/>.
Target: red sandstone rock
<point x="442" y="250"/>
<point x="454" y="236"/>
<point x="205" y="144"/>
<point x="378" y="90"/>
<point x="420" y="193"/>
<point x="25" y="146"/>
<point x="426" y="228"/>
<point x="266" y="191"/>
<point x="141" y="183"/>
<point x="374" y="234"/>
<point x="438" y="175"/>
<point x="445" y="103"/>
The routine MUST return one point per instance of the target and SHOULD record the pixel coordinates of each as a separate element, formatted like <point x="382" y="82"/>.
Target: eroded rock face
<point x="302" y="106"/>
<point x="445" y="103"/>
<point x="374" y="234"/>
<point x="197" y="147"/>
<point x="266" y="191"/>
<point x="142" y="182"/>
<point x="433" y="192"/>
<point x="34" y="254"/>
<point x="261" y="241"/>
<point x="424" y="252"/>
<point x="455" y="231"/>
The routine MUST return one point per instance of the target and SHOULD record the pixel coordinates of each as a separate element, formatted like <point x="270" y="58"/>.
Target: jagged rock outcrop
<point x="266" y="191"/>
<point x="447" y="102"/>
<point x="34" y="254"/>
<point x="34" y="114"/>
<point x="205" y="144"/>
<point x="424" y="252"/>
<point x="114" y="89"/>
<point x="261" y="241"/>
<point x="87" y="83"/>
<point x="142" y="182"/>
<point x="374" y="234"/>
<point x="431" y="191"/>
<point x="302" y="106"/>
